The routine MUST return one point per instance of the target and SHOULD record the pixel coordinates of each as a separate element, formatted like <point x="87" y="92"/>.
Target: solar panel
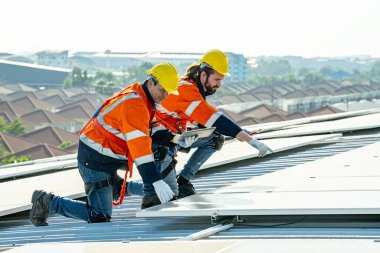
<point x="341" y="125"/>
<point x="69" y="183"/>
<point x="320" y="118"/>
<point x="318" y="187"/>
<point x="238" y="150"/>
<point x="30" y="169"/>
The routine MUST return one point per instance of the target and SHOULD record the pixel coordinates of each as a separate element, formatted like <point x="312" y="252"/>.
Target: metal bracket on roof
<point x="239" y="219"/>
<point x="214" y="218"/>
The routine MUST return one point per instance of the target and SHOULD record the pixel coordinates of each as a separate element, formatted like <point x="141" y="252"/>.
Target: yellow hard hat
<point x="217" y="60"/>
<point x="166" y="75"/>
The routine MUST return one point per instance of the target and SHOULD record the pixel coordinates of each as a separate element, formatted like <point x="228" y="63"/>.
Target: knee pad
<point x="218" y="142"/>
<point x="170" y="167"/>
<point x="96" y="217"/>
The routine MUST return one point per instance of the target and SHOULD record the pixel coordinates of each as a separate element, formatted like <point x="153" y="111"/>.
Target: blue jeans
<point x="170" y="179"/>
<point x="99" y="200"/>
<point x="205" y="148"/>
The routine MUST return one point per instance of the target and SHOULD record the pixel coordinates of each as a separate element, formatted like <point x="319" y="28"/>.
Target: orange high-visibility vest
<point x="176" y="110"/>
<point x="120" y="128"/>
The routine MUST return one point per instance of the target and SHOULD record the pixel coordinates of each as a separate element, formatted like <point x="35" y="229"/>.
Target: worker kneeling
<point x="117" y="134"/>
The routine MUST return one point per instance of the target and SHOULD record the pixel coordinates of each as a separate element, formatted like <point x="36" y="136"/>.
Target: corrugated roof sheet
<point x="16" y="231"/>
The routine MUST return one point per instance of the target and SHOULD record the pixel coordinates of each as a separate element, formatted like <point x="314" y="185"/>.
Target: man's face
<point x="214" y="82"/>
<point x="158" y="93"/>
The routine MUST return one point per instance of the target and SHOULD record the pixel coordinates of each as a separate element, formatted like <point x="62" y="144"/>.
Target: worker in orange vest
<point x="201" y="79"/>
<point x="117" y="134"/>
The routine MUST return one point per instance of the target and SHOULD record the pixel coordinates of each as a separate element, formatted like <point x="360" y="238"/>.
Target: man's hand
<point x="252" y="132"/>
<point x="163" y="191"/>
<point x="185" y="142"/>
<point x="261" y="147"/>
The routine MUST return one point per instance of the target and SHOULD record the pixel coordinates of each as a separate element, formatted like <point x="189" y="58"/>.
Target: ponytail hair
<point x="193" y="72"/>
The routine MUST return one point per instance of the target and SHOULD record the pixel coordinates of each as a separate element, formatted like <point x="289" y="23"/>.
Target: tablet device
<point x="201" y="133"/>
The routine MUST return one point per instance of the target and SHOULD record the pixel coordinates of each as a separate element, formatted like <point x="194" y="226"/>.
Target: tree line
<point x="267" y="72"/>
<point x="105" y="82"/>
<point x="270" y="71"/>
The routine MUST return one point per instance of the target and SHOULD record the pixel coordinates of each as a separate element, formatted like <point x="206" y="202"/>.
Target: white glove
<point x="252" y="132"/>
<point x="261" y="147"/>
<point x="185" y="142"/>
<point x="163" y="191"/>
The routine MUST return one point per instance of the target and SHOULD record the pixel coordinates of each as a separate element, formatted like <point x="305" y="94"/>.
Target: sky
<point x="308" y="28"/>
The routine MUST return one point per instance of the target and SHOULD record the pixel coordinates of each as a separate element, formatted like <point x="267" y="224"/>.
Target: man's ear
<point x="150" y="83"/>
<point x="203" y="76"/>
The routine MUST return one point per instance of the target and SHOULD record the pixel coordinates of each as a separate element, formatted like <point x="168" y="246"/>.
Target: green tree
<point x="302" y="72"/>
<point x="136" y="73"/>
<point x="8" y="159"/>
<point x="77" y="78"/>
<point x="312" y="79"/>
<point x="105" y="82"/>
<point x="374" y="73"/>
<point x="14" y="127"/>
<point x="264" y="80"/>
<point x="359" y="77"/>
<point x="274" y="68"/>
<point x="326" y="71"/>
<point x="292" y="78"/>
<point x="65" y="144"/>
<point x="106" y="88"/>
<point x="106" y="76"/>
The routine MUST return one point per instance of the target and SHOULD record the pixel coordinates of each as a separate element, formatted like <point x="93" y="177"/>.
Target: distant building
<point x="238" y="68"/>
<point x="18" y="58"/>
<point x="119" y="61"/>
<point x="31" y="74"/>
<point x="109" y="60"/>
<point x="54" y="58"/>
<point x="5" y="55"/>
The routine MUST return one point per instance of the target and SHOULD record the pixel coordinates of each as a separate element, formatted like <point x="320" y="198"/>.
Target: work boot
<point x="149" y="201"/>
<point x="185" y="188"/>
<point x="40" y="210"/>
